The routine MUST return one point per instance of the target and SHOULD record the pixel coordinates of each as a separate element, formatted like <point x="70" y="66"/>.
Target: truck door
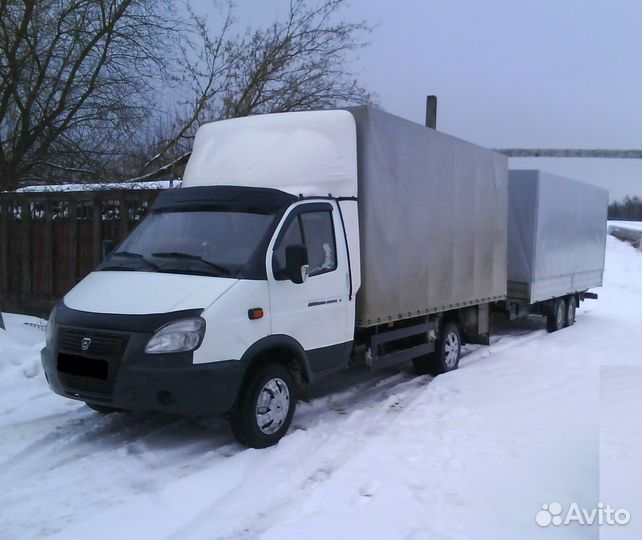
<point x="318" y="312"/>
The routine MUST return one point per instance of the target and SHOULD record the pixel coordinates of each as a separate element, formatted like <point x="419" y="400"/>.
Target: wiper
<point x="139" y="256"/>
<point x="190" y="257"/>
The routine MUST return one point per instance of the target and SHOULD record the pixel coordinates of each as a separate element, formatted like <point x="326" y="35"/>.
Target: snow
<point x="621" y="445"/>
<point x="632" y="225"/>
<point x="158" y="184"/>
<point x="533" y="419"/>
<point x="629" y="231"/>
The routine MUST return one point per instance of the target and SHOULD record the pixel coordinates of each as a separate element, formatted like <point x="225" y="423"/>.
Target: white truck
<point x="299" y="244"/>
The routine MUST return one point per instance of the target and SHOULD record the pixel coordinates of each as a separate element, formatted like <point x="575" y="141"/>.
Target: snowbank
<point x="158" y="184"/>
<point x="633" y="225"/>
<point x="533" y="419"/>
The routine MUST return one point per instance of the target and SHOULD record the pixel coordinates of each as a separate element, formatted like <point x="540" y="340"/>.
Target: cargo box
<point x="556" y="235"/>
<point x="432" y="220"/>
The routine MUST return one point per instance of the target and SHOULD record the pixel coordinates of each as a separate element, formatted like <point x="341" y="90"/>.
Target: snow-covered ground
<point x="633" y="225"/>
<point x="532" y="420"/>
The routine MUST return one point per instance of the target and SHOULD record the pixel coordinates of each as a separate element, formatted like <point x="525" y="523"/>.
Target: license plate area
<point x="81" y="366"/>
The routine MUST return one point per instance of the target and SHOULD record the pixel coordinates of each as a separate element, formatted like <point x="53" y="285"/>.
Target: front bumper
<point x="131" y="379"/>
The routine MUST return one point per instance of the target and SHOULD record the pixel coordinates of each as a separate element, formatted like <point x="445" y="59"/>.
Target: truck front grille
<point x="88" y="361"/>
<point x="90" y="342"/>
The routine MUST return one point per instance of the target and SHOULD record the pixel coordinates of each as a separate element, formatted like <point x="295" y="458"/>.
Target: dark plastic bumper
<point x="168" y="383"/>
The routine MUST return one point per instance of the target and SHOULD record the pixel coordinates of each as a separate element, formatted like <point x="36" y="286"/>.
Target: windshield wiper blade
<point x="138" y="256"/>
<point x="190" y="257"/>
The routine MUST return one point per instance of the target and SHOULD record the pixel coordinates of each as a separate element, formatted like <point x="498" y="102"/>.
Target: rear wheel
<point x="556" y="320"/>
<point x="265" y="408"/>
<point x="446" y="355"/>
<point x="570" y="310"/>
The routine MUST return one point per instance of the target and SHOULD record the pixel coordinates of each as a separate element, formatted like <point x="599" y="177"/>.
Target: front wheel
<point x="265" y="408"/>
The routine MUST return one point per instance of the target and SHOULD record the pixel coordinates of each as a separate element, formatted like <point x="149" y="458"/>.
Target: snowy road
<point x="474" y="453"/>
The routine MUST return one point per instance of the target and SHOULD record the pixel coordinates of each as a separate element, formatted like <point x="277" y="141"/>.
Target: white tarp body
<point x="303" y="153"/>
<point x="556" y="235"/>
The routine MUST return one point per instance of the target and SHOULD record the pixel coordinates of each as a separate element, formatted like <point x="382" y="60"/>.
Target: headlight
<point x="50" y="330"/>
<point x="179" y="336"/>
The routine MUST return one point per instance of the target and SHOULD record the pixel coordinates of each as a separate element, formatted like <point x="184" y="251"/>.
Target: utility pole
<point x="570" y="153"/>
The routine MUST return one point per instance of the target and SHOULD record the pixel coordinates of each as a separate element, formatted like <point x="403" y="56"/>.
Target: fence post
<point x="48" y="250"/>
<point x="124" y="216"/>
<point x="4" y="246"/>
<point x="73" y="240"/>
<point x="4" y="250"/>
<point x="25" y="249"/>
<point x="96" y="232"/>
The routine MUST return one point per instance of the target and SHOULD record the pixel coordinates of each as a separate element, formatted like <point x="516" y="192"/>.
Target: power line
<point x="570" y="153"/>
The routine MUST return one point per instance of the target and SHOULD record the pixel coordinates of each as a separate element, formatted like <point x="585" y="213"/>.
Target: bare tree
<point x="301" y="62"/>
<point x="75" y="78"/>
<point x="94" y="90"/>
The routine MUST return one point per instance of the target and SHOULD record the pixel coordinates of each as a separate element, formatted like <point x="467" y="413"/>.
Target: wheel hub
<point x="272" y="406"/>
<point x="451" y="350"/>
<point x="570" y="315"/>
<point x="560" y="315"/>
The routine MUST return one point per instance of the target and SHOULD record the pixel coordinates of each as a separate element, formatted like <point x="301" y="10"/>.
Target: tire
<point x="556" y="320"/>
<point x="269" y="389"/>
<point x="570" y="311"/>
<point x="102" y="409"/>
<point x="446" y="355"/>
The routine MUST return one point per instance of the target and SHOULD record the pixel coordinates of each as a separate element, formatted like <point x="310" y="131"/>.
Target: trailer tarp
<point x="556" y="235"/>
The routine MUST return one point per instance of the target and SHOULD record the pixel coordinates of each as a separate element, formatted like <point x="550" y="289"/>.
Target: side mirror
<point x="108" y="247"/>
<point x="296" y="263"/>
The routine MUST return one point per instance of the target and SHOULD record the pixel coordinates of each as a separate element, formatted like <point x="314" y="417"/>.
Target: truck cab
<point x="235" y="290"/>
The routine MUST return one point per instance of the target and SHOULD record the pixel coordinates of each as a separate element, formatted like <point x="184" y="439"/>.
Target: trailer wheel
<point x="446" y="355"/>
<point x="570" y="310"/>
<point x="265" y="407"/>
<point x="556" y="320"/>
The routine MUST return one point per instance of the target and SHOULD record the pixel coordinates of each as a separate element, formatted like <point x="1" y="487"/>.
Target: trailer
<point x="556" y="245"/>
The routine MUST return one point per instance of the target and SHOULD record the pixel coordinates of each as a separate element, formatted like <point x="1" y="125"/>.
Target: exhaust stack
<point x="431" y="112"/>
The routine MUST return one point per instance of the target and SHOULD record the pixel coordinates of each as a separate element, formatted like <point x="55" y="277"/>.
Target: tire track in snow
<point x="320" y="454"/>
<point x="321" y="425"/>
<point x="399" y="399"/>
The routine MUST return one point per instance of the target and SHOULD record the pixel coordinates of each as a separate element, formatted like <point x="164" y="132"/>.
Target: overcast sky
<point x="510" y="73"/>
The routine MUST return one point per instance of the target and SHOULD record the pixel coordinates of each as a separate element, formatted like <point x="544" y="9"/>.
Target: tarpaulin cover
<point x="557" y="235"/>
<point x="432" y="217"/>
<point x="303" y="153"/>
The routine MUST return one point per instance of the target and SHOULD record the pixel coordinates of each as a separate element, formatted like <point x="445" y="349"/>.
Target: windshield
<point x="207" y="242"/>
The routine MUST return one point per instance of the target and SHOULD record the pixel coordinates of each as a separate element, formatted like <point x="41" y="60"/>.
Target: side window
<point x="318" y="234"/>
<point x="314" y="230"/>
<point x="291" y="237"/>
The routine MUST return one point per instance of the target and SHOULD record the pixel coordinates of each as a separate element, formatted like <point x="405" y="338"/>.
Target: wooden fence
<point x="51" y="240"/>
